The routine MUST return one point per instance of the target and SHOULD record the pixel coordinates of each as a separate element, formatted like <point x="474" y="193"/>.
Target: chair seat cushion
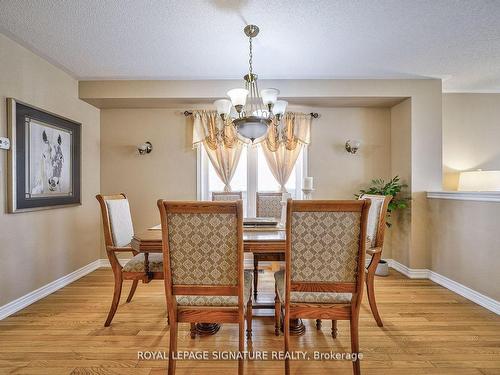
<point x="136" y="264"/>
<point x="308" y="297"/>
<point x="219" y="300"/>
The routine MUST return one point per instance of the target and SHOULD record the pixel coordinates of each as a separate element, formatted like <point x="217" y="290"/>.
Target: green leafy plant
<point x="392" y="187"/>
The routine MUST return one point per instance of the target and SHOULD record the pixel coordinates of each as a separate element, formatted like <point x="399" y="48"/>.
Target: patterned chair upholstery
<point x="227" y="195"/>
<point x="269" y="205"/>
<point x="325" y="248"/>
<point x="217" y="300"/>
<point x="203" y="251"/>
<point x="309" y="297"/>
<point x="136" y="264"/>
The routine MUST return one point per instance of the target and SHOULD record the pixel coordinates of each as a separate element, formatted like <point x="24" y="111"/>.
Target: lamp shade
<point x="269" y="96"/>
<point x="280" y="107"/>
<point x="479" y="181"/>
<point x="238" y="96"/>
<point x="223" y="106"/>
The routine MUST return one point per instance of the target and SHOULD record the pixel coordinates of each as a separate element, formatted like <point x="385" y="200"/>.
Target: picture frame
<point x="44" y="161"/>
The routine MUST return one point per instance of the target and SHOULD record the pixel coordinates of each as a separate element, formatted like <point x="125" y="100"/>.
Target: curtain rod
<point x="313" y="114"/>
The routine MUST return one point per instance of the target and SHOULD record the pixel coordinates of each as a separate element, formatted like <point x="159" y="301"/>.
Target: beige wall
<point x="471" y="130"/>
<point x="463" y="238"/>
<point x="39" y="247"/>
<point x="464" y="243"/>
<point x="337" y="173"/>
<point x="400" y="232"/>
<point x="170" y="170"/>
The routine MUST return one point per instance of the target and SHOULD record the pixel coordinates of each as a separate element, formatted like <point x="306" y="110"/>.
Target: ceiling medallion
<point x="253" y="111"/>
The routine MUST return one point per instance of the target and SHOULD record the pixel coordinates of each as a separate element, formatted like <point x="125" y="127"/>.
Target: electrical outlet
<point x="4" y="143"/>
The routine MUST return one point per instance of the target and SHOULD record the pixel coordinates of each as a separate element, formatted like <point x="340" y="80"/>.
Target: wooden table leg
<point x="207" y="329"/>
<point x="149" y="275"/>
<point x="297" y="327"/>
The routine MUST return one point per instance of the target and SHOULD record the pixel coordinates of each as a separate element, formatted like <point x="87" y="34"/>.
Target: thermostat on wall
<point x="4" y="143"/>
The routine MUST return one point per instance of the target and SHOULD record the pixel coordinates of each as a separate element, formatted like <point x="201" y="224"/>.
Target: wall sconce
<point x="145" y="148"/>
<point x="352" y="146"/>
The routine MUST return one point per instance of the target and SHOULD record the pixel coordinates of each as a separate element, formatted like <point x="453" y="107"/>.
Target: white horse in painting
<point x="52" y="160"/>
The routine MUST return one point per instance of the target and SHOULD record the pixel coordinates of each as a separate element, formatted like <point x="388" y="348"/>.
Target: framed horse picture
<point x="44" y="159"/>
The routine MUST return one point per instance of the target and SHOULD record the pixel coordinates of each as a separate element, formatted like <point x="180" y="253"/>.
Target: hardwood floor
<point x="428" y="330"/>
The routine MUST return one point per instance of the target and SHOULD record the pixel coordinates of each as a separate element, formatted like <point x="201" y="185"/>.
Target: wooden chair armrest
<point x="120" y="249"/>
<point x="374" y="250"/>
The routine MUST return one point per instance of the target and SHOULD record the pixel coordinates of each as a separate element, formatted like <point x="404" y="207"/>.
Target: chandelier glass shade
<point x="254" y="110"/>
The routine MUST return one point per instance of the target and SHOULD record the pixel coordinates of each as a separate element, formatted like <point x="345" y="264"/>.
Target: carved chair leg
<point x="334" y="329"/>
<point x="277" y="312"/>
<point x="241" y="344"/>
<point x="255" y="275"/>
<point x="249" y="319"/>
<point x="132" y="290"/>
<point x="318" y="324"/>
<point x="370" y="288"/>
<point x="172" y="348"/>
<point x="286" y="332"/>
<point x="355" y="342"/>
<point x="116" y="298"/>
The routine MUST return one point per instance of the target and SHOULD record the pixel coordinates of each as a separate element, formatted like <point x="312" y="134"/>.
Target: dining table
<point x="269" y="243"/>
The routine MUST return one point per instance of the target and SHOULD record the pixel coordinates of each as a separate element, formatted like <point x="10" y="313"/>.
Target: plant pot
<point x="382" y="268"/>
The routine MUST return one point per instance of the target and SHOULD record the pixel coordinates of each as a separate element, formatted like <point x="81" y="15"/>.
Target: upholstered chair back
<point x="117" y="220"/>
<point x="325" y="240"/>
<point x="375" y="228"/>
<point x="269" y="205"/>
<point x="204" y="242"/>
<point x="226" y="195"/>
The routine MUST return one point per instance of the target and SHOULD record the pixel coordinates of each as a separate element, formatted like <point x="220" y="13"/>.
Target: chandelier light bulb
<point x="269" y="96"/>
<point x="238" y="98"/>
<point x="280" y="107"/>
<point x="223" y="106"/>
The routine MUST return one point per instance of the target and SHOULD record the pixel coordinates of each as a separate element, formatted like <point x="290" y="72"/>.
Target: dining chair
<point x="374" y="244"/>
<point x="324" y="271"/>
<point x="203" y="266"/>
<point x="118" y="232"/>
<point x="227" y="195"/>
<point x="267" y="205"/>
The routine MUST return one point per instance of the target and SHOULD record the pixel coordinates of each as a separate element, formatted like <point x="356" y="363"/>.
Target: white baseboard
<point x="26" y="300"/>
<point x="464" y="291"/>
<point x="412" y="273"/>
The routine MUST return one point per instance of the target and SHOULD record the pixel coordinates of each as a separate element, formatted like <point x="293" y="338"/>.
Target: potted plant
<point x="392" y="187"/>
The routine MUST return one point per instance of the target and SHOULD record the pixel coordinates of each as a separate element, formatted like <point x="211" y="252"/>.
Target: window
<point x="252" y="175"/>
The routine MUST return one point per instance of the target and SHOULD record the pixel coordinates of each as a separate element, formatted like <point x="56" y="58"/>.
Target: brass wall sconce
<point x="352" y="146"/>
<point x="145" y="148"/>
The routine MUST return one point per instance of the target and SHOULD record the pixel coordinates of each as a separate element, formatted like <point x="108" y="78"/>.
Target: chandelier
<point x="253" y="111"/>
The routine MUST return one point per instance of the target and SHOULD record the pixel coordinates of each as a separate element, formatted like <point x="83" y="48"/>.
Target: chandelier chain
<point x="250" y="57"/>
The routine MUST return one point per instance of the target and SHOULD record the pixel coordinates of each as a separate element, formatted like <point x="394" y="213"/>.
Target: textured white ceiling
<point x="458" y="41"/>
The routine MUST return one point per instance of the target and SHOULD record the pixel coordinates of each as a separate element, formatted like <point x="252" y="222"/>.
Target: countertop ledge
<point x="479" y="196"/>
